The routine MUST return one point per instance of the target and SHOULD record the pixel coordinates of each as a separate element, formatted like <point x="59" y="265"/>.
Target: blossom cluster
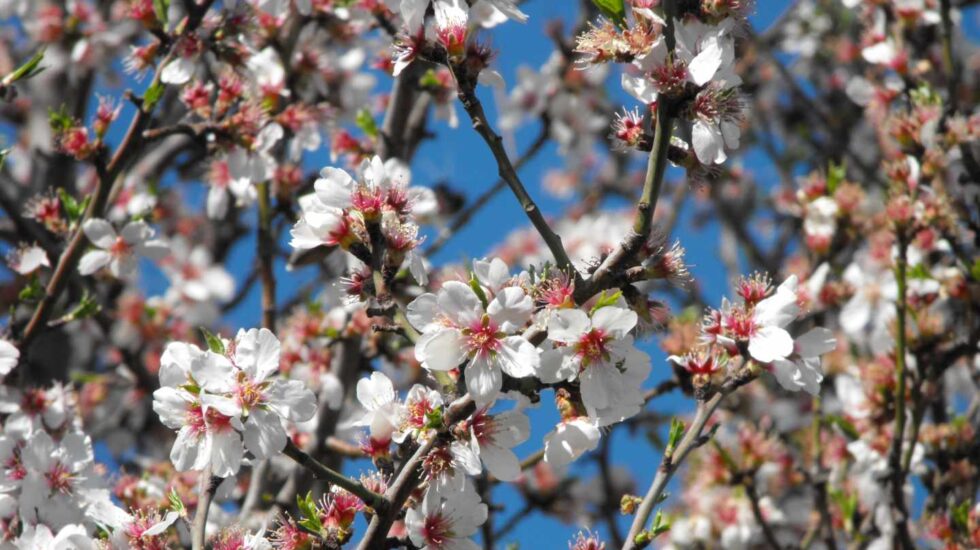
<point x="396" y="383"/>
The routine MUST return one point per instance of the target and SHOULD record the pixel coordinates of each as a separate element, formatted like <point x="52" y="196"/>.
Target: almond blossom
<point x="598" y="352"/>
<point x="446" y="522"/>
<point x="458" y="327"/>
<point x="119" y="252"/>
<point x="204" y="435"/>
<point x="243" y="387"/>
<point x="493" y="437"/>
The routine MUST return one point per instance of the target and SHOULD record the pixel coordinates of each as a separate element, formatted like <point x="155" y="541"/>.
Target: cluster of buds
<point x="372" y="217"/>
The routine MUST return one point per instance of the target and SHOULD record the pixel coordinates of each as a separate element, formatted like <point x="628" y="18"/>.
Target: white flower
<point x="244" y="388"/>
<point x="193" y="274"/>
<point x="821" y="218"/>
<point x="446" y="523"/>
<point x="9" y="355"/>
<point x="599" y="352"/>
<point x="802" y="370"/>
<point x="493" y="437"/>
<point x="872" y="306"/>
<point x="118" y="252"/>
<point x="27" y="259"/>
<point x="569" y="440"/>
<point x="413" y="11"/>
<point x="254" y="165"/>
<point x="204" y="433"/>
<point x="794" y="363"/>
<point x="61" y="485"/>
<point x="702" y="53"/>
<point x="456" y="328"/>
<point x="40" y="537"/>
<point x="382" y="411"/>
<point x="769" y="339"/>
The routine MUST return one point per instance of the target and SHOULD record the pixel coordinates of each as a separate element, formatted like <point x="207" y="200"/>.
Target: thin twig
<point x="467" y="213"/>
<point x="673" y="458"/>
<point x="209" y="484"/>
<point x="329" y="475"/>
<point x="473" y="107"/>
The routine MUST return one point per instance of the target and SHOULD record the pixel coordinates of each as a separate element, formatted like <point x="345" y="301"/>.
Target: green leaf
<point x="366" y="123"/>
<point x="918" y="271"/>
<point x="311" y="516"/>
<point x="613" y="9"/>
<point x="975" y="270"/>
<point x="161" y="7"/>
<point x="844" y="426"/>
<point x="27" y="70"/>
<point x="660" y="525"/>
<point x="606" y="300"/>
<point x="32" y="291"/>
<point x="961" y="516"/>
<point x="87" y="307"/>
<point x="676" y="433"/>
<point x="478" y="290"/>
<point x="215" y="343"/>
<point x="430" y="80"/>
<point x="835" y="175"/>
<point x="433" y="419"/>
<point x="60" y="120"/>
<point x="176" y="504"/>
<point x="152" y="96"/>
<point x="726" y="457"/>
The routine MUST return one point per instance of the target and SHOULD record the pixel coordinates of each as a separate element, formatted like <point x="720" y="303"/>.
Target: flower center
<point x="482" y="337"/>
<point x="592" y="347"/>
<point x="437" y="530"/>
<point x="120" y="248"/>
<point x="60" y="478"/>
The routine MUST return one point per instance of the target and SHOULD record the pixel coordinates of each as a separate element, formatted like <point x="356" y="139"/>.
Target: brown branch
<point x="465" y="215"/>
<point x="265" y="250"/>
<point x="408" y="479"/>
<point x="673" y="458"/>
<point x="473" y="107"/>
<point x="209" y="484"/>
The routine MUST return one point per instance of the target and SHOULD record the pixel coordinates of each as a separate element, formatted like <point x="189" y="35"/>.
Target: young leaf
<point x="214" y="342"/>
<point x="606" y="300"/>
<point x="27" y="70"/>
<point x="366" y="123"/>
<point x="152" y="96"/>
<point x="613" y="9"/>
<point x="478" y="290"/>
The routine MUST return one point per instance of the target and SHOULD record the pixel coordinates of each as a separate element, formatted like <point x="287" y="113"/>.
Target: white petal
<point x="502" y="463"/>
<point x="100" y="232"/>
<point x="483" y="380"/>
<point x="458" y="301"/>
<point x="614" y="321"/>
<point x="213" y="372"/>
<point x="421" y="312"/>
<point x="704" y="65"/>
<point x="708" y="142"/>
<point x="93" y="261"/>
<point x="375" y="391"/>
<point x="518" y="357"/>
<point x="770" y="343"/>
<point x="816" y="342"/>
<point x="291" y="399"/>
<point x="264" y="435"/>
<point x="567" y="325"/>
<point x="334" y="188"/>
<point x="441" y="350"/>
<point x="226" y="453"/>
<point x="511" y="309"/>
